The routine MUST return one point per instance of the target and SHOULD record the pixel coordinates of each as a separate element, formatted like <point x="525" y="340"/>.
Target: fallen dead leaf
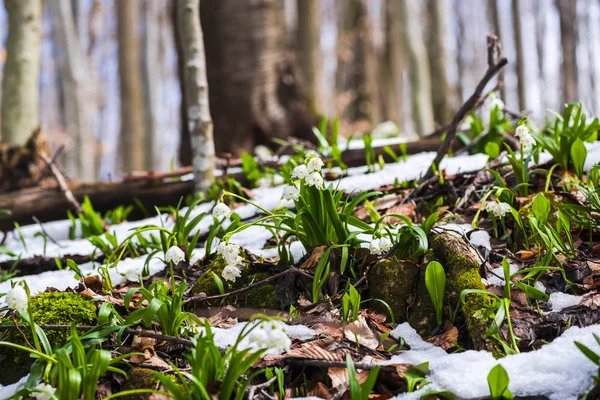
<point x="527" y="254"/>
<point x="359" y="332"/>
<point x="311" y="262"/>
<point x="93" y="282"/>
<point x="320" y="390"/>
<point x="407" y="210"/>
<point x="446" y="339"/>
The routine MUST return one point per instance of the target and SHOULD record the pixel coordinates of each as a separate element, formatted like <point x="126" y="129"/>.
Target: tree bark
<point x="436" y="50"/>
<point x="355" y="63"/>
<point x="196" y="99"/>
<point x="308" y="53"/>
<point x="418" y="67"/>
<point x="254" y="96"/>
<point x="391" y="67"/>
<point x="132" y="139"/>
<point x="567" y="10"/>
<point x="74" y="72"/>
<point x="516" y="20"/>
<point x="20" y="92"/>
<point x="494" y="16"/>
<point x="151" y="75"/>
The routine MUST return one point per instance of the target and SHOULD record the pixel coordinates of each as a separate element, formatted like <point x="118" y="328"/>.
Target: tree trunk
<point x="309" y="55"/>
<point x="151" y="75"/>
<point x="391" y="67"/>
<point x="254" y="97"/>
<point x="353" y="69"/>
<point x="74" y="73"/>
<point x="494" y="16"/>
<point x="436" y="51"/>
<point x="418" y="67"/>
<point x="132" y="140"/>
<point x="516" y="20"/>
<point x="20" y="92"/>
<point x="196" y="96"/>
<point x="567" y="10"/>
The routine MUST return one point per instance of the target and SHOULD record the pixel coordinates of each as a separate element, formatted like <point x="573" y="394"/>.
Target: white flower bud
<point x="300" y="172"/>
<point x="221" y="210"/>
<point x="315" y="179"/>
<point x="231" y="272"/>
<point x="17" y="299"/>
<point x="174" y="255"/>
<point x="290" y="193"/>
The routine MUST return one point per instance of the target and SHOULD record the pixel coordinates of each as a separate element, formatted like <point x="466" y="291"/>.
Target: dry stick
<point x="47" y="167"/>
<point x="60" y="179"/>
<point x="493" y="69"/>
<point x="134" y="332"/>
<point x="289" y="271"/>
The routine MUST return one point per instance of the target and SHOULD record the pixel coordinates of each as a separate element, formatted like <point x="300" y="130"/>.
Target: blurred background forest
<point x="367" y="61"/>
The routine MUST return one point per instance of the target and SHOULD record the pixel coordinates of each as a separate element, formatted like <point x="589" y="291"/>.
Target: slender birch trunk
<point x="196" y="95"/>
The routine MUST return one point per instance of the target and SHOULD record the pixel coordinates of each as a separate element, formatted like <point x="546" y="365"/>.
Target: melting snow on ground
<point x="557" y="370"/>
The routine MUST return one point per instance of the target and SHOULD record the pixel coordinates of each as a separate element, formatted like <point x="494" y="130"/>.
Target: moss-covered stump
<point x="52" y="308"/>
<point x="261" y="297"/>
<point x="392" y="281"/>
<point x="462" y="263"/>
<point x="142" y="378"/>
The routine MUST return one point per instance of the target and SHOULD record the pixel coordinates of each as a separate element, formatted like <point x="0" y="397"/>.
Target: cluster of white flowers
<point x="527" y="141"/>
<point x="46" y="395"/>
<point x="221" y="210"/>
<point x="17" y="299"/>
<point x="380" y="246"/>
<point x="174" y="255"/>
<point x="290" y="193"/>
<point x="231" y="254"/>
<point x="310" y="172"/>
<point x="498" y="209"/>
<point x="494" y="101"/>
<point x="270" y="335"/>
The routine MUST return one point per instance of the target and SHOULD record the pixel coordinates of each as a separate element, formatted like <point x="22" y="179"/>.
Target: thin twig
<point x="493" y="69"/>
<point x="128" y="331"/>
<point x="289" y="271"/>
<point x="37" y="221"/>
<point x="60" y="179"/>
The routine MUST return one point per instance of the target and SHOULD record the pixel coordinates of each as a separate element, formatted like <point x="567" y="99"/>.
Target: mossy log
<point x="54" y="308"/>
<point x="462" y="265"/>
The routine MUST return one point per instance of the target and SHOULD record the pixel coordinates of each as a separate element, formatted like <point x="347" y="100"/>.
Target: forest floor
<point x="340" y="283"/>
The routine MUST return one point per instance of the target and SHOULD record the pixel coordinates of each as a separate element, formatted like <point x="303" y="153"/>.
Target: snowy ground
<point x="558" y="370"/>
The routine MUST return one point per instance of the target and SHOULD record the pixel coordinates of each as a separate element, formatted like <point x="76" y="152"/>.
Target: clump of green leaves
<point x="498" y="383"/>
<point x="564" y="140"/>
<point x="435" y="281"/>
<point x="358" y="392"/>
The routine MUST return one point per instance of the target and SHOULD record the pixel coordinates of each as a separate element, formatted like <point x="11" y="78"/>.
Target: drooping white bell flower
<point x="522" y="132"/>
<point x="17" y="299"/>
<point x="314" y="164"/>
<point x="300" y="172"/>
<point x="315" y="179"/>
<point x="231" y="272"/>
<point x="498" y="209"/>
<point x="221" y="210"/>
<point x="230" y="252"/>
<point x="290" y="193"/>
<point x="270" y="335"/>
<point x="174" y="255"/>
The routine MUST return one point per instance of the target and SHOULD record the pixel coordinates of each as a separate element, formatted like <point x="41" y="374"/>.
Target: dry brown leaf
<point x="359" y="332"/>
<point x="591" y="300"/>
<point x="313" y="352"/>
<point x="338" y="376"/>
<point x="331" y="329"/>
<point x="446" y="339"/>
<point x="527" y="254"/>
<point x="311" y="262"/>
<point x="93" y="282"/>
<point x="320" y="390"/>
<point x="407" y="210"/>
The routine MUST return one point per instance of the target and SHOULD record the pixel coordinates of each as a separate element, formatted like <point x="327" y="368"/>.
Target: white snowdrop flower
<point x="374" y="247"/>
<point x="17" y="299"/>
<point x="230" y="252"/>
<point x="314" y="164"/>
<point x="221" y="210"/>
<point x="494" y="101"/>
<point x="174" y="255"/>
<point x="385" y="244"/>
<point x="300" y="172"/>
<point x="315" y="179"/>
<point x="290" y="193"/>
<point x="522" y="132"/>
<point x="269" y="335"/>
<point x="231" y="272"/>
<point x="43" y="396"/>
<point x="498" y="209"/>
